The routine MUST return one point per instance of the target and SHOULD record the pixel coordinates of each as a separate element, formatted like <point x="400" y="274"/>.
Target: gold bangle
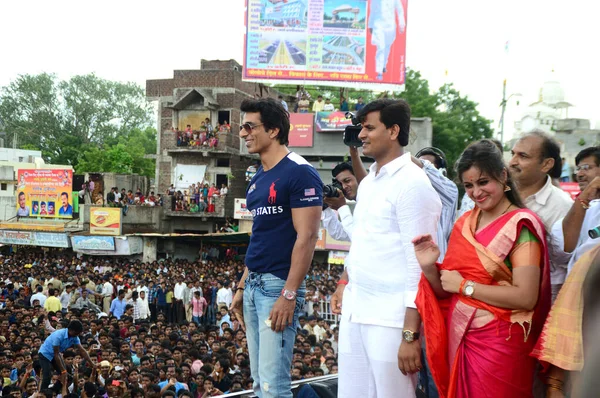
<point x="556" y="387"/>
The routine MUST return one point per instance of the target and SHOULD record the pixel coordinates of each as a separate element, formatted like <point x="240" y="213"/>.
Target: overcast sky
<point x="130" y="40"/>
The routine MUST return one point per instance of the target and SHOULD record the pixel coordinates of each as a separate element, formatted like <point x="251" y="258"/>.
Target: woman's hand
<point x="426" y="250"/>
<point x="451" y="281"/>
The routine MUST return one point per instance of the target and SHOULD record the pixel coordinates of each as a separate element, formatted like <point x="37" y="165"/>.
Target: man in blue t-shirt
<point x="285" y="197"/>
<point x="58" y="342"/>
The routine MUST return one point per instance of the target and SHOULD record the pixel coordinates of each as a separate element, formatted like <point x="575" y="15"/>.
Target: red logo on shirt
<point x="272" y="193"/>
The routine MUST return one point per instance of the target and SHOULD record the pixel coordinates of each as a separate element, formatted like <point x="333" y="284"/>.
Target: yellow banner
<point x="106" y="221"/>
<point x="44" y="193"/>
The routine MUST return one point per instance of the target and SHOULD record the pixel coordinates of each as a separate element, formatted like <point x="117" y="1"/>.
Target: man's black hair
<point x="550" y="149"/>
<point x="342" y="167"/>
<point x="75" y="326"/>
<point x="391" y="112"/>
<point x="587" y="152"/>
<point x="272" y="114"/>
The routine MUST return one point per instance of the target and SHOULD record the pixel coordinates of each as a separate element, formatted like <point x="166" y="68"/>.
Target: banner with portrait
<point x="332" y="42"/>
<point x="45" y="193"/>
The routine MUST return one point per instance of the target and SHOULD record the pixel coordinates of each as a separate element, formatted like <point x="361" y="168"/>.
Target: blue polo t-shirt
<point x="59" y="338"/>
<point x="270" y="197"/>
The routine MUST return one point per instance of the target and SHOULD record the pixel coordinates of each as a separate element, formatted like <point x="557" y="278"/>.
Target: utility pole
<point x="503" y="105"/>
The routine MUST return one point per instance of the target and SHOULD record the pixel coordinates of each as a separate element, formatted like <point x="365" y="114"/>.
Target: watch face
<point x="408" y="336"/>
<point x="469" y="290"/>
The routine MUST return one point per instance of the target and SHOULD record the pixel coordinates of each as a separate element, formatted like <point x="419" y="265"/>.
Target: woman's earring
<point x="507" y="188"/>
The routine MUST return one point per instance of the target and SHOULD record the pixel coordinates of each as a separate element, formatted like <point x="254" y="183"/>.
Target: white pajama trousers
<point x="368" y="363"/>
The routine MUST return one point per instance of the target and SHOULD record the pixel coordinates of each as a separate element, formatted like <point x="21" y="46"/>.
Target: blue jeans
<point x="270" y="352"/>
<point x="425" y="381"/>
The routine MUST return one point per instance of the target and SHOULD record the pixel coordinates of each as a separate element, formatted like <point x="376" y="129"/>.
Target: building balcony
<point x="219" y="211"/>
<point x="224" y="142"/>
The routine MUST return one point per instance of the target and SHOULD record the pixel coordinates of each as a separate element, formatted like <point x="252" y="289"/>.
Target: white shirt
<point x="144" y="308"/>
<point x="584" y="243"/>
<point x="38" y="296"/>
<point x="338" y="230"/>
<point x="393" y="207"/>
<point x="551" y="204"/>
<point x="65" y="299"/>
<point x="224" y="296"/>
<point x="107" y="289"/>
<point x="328" y="107"/>
<point x="178" y="291"/>
<point x="446" y="190"/>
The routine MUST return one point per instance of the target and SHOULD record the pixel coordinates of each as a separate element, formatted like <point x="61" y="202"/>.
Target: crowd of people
<point x="130" y="329"/>
<point x="204" y="137"/>
<point x="320" y="104"/>
<point x="198" y="198"/>
<point x="431" y="304"/>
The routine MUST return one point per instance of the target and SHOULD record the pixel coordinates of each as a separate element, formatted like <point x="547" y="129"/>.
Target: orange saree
<point x="475" y="349"/>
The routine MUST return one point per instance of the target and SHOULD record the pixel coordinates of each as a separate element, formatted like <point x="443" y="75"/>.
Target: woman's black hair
<point x="486" y="156"/>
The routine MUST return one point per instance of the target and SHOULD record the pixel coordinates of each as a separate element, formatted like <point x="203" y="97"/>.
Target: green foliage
<point x="126" y="156"/>
<point x="65" y="119"/>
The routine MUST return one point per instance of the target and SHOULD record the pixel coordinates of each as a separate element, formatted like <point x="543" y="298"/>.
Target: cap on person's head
<point x="75" y="326"/>
<point x="104" y="364"/>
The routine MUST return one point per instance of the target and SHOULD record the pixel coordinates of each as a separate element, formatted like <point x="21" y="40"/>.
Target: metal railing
<point x="295" y="386"/>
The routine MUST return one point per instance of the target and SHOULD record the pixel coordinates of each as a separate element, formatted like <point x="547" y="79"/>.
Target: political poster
<point x="333" y="42"/>
<point x="301" y="130"/>
<point x="44" y="193"/>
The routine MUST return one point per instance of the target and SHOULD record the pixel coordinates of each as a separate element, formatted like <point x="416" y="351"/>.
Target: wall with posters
<point x="106" y="221"/>
<point x="44" y="193"/>
<point x="332" y="42"/>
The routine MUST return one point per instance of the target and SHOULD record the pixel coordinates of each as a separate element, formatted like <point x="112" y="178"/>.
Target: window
<point x="3" y="187"/>
<point x="223" y="162"/>
<point x="20" y="159"/>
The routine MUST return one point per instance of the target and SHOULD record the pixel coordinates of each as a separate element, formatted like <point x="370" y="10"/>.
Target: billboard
<point x="301" y="130"/>
<point x="93" y="242"/>
<point x="45" y="239"/>
<point x="331" y="121"/>
<point x="106" y="221"/>
<point x="44" y="193"/>
<point x="125" y="246"/>
<point x="333" y="42"/>
<point x="240" y="211"/>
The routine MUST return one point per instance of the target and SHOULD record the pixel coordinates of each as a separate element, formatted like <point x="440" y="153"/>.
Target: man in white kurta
<point x="395" y="203"/>
<point x="382" y="24"/>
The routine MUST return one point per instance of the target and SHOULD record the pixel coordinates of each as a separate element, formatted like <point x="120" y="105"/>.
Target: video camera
<point x="351" y="132"/>
<point x="331" y="190"/>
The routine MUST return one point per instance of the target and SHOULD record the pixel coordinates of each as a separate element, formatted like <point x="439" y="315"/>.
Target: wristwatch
<point x="469" y="289"/>
<point x="289" y="294"/>
<point x="409" y="336"/>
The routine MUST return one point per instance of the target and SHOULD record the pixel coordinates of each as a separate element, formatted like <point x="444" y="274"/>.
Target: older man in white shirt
<point x="379" y="349"/>
<point x="535" y="159"/>
<point x="178" y="297"/>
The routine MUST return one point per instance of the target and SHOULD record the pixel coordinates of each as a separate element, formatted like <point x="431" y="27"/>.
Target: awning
<point x="214" y="238"/>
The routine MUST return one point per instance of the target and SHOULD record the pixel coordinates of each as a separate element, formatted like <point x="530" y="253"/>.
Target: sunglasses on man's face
<point x="248" y="127"/>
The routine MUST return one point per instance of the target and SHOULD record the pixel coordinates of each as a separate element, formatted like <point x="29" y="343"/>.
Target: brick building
<point x="215" y="91"/>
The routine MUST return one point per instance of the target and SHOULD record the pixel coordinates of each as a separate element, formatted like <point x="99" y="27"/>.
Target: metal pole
<point x="503" y="105"/>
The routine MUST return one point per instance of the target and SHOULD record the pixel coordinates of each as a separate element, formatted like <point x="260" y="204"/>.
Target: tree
<point x="126" y="156"/>
<point x="63" y="119"/>
<point x="456" y="123"/>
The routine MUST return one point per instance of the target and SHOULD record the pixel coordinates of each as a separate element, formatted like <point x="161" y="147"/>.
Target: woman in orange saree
<point x="483" y="308"/>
